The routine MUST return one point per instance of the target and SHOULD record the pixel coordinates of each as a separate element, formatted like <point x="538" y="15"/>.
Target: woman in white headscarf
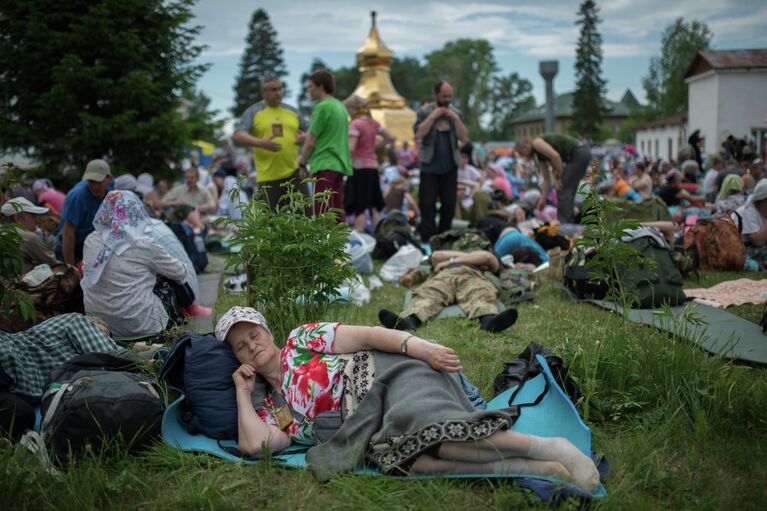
<point x="751" y="218"/>
<point x="130" y="282"/>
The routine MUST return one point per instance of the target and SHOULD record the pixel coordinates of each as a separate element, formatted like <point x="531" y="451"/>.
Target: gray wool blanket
<point x="409" y="409"/>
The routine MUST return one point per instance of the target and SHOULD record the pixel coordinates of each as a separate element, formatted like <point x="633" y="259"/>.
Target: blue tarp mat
<point x="554" y="416"/>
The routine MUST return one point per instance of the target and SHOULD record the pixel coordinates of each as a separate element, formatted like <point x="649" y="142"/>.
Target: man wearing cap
<point x="273" y="131"/>
<point x="33" y="250"/>
<point x="80" y="207"/>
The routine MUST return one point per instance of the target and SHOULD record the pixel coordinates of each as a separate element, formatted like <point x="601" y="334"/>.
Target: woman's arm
<point x="353" y="142"/>
<point x="349" y="339"/>
<point x="253" y="433"/>
<point x="164" y="264"/>
<point x="385" y="138"/>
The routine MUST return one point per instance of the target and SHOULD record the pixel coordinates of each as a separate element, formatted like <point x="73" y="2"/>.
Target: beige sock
<point x="581" y="467"/>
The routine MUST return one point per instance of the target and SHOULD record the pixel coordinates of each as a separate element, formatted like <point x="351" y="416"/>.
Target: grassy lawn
<point x="682" y="429"/>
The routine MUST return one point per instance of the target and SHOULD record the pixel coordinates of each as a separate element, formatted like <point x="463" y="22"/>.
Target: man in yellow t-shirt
<point x="273" y="130"/>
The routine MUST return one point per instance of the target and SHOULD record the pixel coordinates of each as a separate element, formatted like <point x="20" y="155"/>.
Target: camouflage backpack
<point x="513" y="284"/>
<point x="464" y="240"/>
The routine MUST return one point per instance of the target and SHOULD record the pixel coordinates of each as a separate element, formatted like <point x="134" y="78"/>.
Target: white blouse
<point x="124" y="297"/>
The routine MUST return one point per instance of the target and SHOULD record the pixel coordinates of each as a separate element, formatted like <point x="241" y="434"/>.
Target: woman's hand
<point x="245" y="378"/>
<point x="441" y="358"/>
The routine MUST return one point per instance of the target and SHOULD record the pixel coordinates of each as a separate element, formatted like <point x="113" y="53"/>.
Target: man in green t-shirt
<point x="326" y="149"/>
<point x="273" y="130"/>
<point x="563" y="160"/>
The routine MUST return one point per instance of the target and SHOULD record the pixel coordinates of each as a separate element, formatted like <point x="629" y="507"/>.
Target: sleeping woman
<point x="402" y="403"/>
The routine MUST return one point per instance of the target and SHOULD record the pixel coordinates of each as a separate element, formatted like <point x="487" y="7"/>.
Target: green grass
<point x="682" y="429"/>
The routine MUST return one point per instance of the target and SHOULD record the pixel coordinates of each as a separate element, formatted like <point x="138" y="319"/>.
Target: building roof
<point x="563" y="107"/>
<point x="675" y="119"/>
<point x="707" y="60"/>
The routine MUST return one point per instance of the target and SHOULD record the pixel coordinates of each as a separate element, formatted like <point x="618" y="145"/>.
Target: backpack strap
<point x="59" y="394"/>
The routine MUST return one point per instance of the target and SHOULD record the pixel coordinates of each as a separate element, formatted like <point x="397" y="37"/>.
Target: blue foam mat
<point x="554" y="416"/>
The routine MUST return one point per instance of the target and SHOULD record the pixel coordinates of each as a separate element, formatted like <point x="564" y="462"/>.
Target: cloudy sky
<point x="522" y="32"/>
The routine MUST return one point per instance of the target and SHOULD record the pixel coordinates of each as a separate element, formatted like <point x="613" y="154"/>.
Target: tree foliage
<point x="305" y="105"/>
<point x="469" y="65"/>
<point x="347" y="79"/>
<point x="80" y="80"/>
<point x="510" y="95"/>
<point x="664" y="85"/>
<point x="200" y="119"/>
<point x="590" y="86"/>
<point x="262" y="57"/>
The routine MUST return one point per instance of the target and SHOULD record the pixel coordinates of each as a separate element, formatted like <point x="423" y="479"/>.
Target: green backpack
<point x="650" y="286"/>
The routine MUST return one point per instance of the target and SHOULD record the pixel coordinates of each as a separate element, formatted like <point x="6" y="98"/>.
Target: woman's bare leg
<point x="427" y="464"/>
<point x="505" y="445"/>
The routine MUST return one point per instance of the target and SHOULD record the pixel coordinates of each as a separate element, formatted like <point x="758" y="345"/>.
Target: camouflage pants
<point x="459" y="284"/>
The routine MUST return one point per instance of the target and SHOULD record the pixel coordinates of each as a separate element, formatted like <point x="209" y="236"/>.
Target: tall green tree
<point x="510" y="96"/>
<point x="664" y="85"/>
<point x="590" y="86"/>
<point x="80" y="80"/>
<point x="469" y="65"/>
<point x="411" y="80"/>
<point x="199" y="117"/>
<point x="305" y="104"/>
<point x="262" y="57"/>
<point x="347" y="79"/>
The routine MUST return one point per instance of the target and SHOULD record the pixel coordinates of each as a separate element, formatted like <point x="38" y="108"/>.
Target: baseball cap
<point x="97" y="170"/>
<point x="21" y="205"/>
<point x="236" y="315"/>
<point x="757" y="161"/>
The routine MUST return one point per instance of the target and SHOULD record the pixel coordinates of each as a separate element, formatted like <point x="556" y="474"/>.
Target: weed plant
<point x="295" y="262"/>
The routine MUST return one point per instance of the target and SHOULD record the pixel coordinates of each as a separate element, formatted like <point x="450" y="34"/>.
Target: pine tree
<point x="82" y="80"/>
<point x="262" y="57"/>
<point x="590" y="86"/>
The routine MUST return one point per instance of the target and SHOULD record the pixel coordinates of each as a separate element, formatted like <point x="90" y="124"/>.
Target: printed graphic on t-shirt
<point x="276" y="129"/>
<point x="443" y="125"/>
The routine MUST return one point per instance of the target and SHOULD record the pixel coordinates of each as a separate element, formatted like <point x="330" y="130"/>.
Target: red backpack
<point x="716" y="244"/>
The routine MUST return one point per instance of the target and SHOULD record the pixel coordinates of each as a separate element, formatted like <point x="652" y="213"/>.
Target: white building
<point x="663" y="138"/>
<point x="728" y="96"/>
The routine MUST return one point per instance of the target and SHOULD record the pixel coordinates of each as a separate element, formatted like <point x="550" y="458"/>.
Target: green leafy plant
<point x="295" y="262"/>
<point x="12" y="300"/>
<point x="611" y="256"/>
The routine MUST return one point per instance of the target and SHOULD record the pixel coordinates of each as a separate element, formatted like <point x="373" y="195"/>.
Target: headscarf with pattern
<point x="120" y="221"/>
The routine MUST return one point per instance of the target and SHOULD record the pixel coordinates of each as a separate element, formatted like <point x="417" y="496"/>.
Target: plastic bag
<point x="359" y="247"/>
<point x="406" y="258"/>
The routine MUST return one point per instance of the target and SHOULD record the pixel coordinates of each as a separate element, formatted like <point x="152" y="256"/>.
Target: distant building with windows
<point x="663" y="138"/>
<point x="728" y="96"/>
<point x="531" y="123"/>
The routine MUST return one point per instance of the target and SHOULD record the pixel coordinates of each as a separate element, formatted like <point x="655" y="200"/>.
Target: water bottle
<point x="199" y="244"/>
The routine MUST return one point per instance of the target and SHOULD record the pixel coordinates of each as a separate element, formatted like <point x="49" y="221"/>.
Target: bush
<point x="295" y="262"/>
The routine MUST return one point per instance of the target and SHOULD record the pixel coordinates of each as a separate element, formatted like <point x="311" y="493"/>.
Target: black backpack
<point x="392" y="233"/>
<point x="525" y="367"/>
<point x="95" y="398"/>
<point x="199" y="258"/>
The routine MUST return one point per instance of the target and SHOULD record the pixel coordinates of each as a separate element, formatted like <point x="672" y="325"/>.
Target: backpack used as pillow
<point x="94" y="399"/>
<point x="201" y="367"/>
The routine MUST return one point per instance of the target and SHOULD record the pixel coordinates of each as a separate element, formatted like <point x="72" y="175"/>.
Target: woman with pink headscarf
<point x="48" y="196"/>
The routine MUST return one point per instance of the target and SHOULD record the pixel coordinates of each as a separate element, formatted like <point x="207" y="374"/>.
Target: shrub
<point x="295" y="262"/>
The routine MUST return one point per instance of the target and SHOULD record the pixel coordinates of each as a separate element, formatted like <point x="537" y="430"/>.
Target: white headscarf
<point x="760" y="191"/>
<point x="227" y="206"/>
<point x="120" y="220"/>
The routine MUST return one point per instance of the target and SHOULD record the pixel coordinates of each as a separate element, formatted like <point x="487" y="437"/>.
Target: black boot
<point x="391" y="320"/>
<point x="498" y="322"/>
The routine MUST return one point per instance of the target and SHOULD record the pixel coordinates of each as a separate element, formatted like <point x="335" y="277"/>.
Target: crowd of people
<point x="137" y="245"/>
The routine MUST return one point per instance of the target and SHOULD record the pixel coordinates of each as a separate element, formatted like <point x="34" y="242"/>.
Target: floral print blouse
<point x="312" y="379"/>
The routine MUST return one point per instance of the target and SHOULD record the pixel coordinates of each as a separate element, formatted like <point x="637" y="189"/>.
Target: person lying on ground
<point x="404" y="408"/>
<point x="129" y="280"/>
<point x="457" y="279"/>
